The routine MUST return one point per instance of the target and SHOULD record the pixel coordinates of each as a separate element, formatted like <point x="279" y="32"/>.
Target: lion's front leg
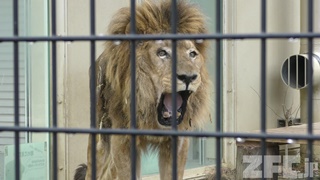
<point x="165" y="158"/>
<point x="101" y="158"/>
<point x="121" y="157"/>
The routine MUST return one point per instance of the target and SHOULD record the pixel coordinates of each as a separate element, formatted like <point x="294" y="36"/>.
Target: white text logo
<point x="255" y="161"/>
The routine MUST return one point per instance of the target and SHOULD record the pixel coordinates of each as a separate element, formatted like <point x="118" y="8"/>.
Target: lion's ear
<point x="120" y="23"/>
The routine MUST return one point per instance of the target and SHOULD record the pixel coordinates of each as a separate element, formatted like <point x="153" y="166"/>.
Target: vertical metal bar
<point x="54" y="92"/>
<point x="289" y="71"/>
<point x="174" y="21"/>
<point x="133" y="89"/>
<point x="218" y="89"/>
<point x="202" y="151"/>
<point x="297" y="72"/>
<point x="16" y="86"/>
<point x="263" y="83"/>
<point x="93" y="90"/>
<point x="310" y="78"/>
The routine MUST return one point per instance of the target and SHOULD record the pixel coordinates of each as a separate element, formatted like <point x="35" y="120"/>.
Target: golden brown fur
<point x="153" y="78"/>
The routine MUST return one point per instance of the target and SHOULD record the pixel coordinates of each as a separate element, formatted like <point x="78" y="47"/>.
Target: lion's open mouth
<point x="165" y="107"/>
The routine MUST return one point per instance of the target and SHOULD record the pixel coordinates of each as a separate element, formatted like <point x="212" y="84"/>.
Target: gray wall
<point x="242" y="61"/>
<point x="73" y="76"/>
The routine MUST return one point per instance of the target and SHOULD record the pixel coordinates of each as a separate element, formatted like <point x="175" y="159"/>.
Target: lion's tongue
<point x="168" y="102"/>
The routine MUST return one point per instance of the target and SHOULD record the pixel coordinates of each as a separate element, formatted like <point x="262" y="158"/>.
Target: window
<point x="6" y="67"/>
<point x="33" y="90"/>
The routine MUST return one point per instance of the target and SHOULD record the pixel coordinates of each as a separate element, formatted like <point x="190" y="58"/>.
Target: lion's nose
<point x="187" y="78"/>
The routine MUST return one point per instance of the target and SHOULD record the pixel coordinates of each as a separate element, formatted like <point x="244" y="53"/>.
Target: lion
<point x="153" y="90"/>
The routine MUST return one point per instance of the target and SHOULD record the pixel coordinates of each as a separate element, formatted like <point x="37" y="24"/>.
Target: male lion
<point x="153" y="90"/>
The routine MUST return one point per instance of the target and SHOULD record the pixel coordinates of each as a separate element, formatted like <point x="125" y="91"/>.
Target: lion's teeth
<point x="166" y="114"/>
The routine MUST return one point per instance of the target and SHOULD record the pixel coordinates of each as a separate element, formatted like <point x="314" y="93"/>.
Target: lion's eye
<point x="193" y="54"/>
<point x="162" y="54"/>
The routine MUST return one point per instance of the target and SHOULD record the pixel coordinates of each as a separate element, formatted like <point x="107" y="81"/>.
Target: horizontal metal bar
<point x="160" y="36"/>
<point x="162" y="133"/>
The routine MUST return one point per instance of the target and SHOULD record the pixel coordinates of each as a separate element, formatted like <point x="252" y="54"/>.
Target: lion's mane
<point x="113" y="67"/>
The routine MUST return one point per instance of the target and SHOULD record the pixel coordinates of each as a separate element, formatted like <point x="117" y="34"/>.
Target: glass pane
<point x="33" y="90"/>
<point x="7" y="81"/>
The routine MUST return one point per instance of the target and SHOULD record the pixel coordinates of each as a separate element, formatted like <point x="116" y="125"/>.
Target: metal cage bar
<point x="93" y="89"/>
<point x="133" y="89"/>
<point x="127" y="37"/>
<point x="16" y="87"/>
<point x="173" y="25"/>
<point x="263" y="85"/>
<point x="159" y="133"/>
<point x="218" y="89"/>
<point x="310" y="89"/>
<point x="54" y="156"/>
